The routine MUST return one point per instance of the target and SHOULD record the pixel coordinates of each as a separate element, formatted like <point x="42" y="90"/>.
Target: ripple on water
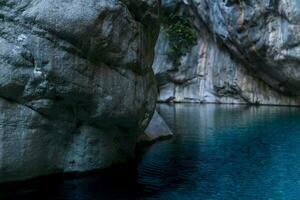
<point x="220" y="152"/>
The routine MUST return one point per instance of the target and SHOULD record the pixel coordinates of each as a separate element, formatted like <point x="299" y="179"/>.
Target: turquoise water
<point x="226" y="152"/>
<point x="220" y="152"/>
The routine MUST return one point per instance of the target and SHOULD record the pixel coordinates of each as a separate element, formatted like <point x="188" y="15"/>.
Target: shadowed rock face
<point x="247" y="52"/>
<point x="76" y="83"/>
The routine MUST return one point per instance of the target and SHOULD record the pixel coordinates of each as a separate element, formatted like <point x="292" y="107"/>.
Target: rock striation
<point x="76" y="84"/>
<point x="246" y="52"/>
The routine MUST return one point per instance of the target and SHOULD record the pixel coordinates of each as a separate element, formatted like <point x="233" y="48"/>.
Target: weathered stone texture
<point x="76" y="84"/>
<point x="247" y="52"/>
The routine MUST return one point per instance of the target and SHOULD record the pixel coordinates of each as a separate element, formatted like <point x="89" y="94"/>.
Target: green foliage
<point x="181" y="35"/>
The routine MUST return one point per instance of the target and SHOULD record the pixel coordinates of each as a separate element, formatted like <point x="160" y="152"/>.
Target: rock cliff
<point x="246" y="52"/>
<point x="76" y="84"/>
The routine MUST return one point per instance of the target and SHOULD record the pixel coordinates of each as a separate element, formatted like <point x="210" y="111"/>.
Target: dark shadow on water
<point x="221" y="152"/>
<point x="115" y="183"/>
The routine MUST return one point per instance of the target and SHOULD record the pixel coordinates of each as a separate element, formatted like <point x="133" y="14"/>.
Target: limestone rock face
<point x="76" y="84"/>
<point x="247" y="52"/>
<point x="264" y="34"/>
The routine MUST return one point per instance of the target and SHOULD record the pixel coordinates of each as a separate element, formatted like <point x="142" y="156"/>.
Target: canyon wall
<point x="246" y="52"/>
<point x="77" y="88"/>
<point x="76" y="84"/>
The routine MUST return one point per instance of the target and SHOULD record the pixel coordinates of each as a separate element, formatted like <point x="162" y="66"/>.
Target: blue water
<point x="219" y="152"/>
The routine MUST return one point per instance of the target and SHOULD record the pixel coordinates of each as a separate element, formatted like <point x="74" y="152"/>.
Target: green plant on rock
<point x="181" y="35"/>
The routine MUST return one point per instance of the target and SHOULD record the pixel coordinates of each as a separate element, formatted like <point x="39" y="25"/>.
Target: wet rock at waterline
<point x="157" y="129"/>
<point x="76" y="84"/>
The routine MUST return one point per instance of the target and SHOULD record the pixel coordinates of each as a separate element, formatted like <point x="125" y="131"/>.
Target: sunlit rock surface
<point x="76" y="84"/>
<point x="247" y="52"/>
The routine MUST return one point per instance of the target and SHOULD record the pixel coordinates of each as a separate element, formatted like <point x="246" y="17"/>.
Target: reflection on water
<point x="229" y="152"/>
<point x="221" y="152"/>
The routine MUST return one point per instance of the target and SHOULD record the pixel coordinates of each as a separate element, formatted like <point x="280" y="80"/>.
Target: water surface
<point x="221" y="152"/>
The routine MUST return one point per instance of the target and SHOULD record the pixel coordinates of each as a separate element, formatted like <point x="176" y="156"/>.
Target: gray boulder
<point x="76" y="84"/>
